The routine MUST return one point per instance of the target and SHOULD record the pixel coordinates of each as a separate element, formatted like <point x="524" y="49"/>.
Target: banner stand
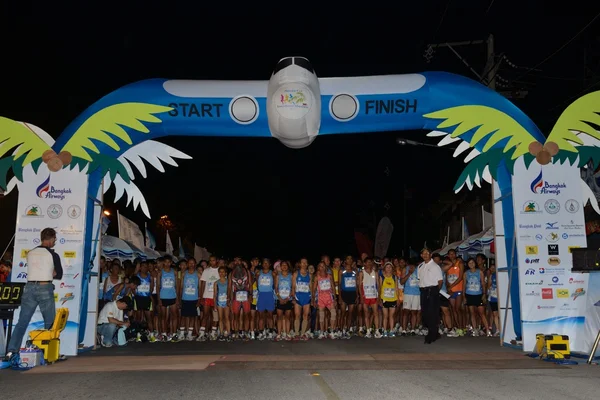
<point x="510" y="273"/>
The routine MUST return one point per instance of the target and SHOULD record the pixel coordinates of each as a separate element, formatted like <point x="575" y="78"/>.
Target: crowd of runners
<point x="221" y="300"/>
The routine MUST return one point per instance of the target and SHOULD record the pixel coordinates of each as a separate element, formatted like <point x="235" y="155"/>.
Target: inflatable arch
<point x="294" y="106"/>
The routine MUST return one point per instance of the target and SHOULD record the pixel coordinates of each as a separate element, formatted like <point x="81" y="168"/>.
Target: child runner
<point x="190" y="290"/>
<point x="475" y="294"/>
<point x="167" y="301"/>
<point x="266" y="300"/>
<point x="388" y="294"/>
<point x="348" y="296"/>
<point x="492" y="290"/>
<point x="221" y="299"/>
<point x="323" y="289"/>
<point x="283" y="283"/>
<point x="301" y="298"/>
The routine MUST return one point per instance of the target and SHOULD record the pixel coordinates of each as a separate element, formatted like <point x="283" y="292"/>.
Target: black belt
<point x="429" y="287"/>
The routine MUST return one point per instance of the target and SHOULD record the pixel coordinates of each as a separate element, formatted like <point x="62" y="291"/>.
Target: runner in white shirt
<point x="209" y="276"/>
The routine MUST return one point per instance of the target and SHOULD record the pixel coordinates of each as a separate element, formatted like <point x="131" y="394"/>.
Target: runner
<point x="283" y="283"/>
<point x="492" y="290"/>
<point x="475" y="294"/>
<point x="222" y="301"/>
<point x="301" y="298"/>
<point x="209" y="276"/>
<point x="367" y="284"/>
<point x="240" y="282"/>
<point x="348" y="296"/>
<point x="168" y="301"/>
<point x="266" y="300"/>
<point x="323" y="289"/>
<point x="189" y="294"/>
<point x="456" y="286"/>
<point x="412" y="298"/>
<point x="113" y="280"/>
<point x="444" y="302"/>
<point x="400" y="269"/>
<point x="335" y="272"/>
<point x="388" y="295"/>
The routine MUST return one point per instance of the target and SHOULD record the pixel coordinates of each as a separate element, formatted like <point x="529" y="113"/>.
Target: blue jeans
<point x="108" y="332"/>
<point x="34" y="295"/>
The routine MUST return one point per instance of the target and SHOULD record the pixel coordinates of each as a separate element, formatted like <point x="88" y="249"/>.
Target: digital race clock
<point x="10" y="293"/>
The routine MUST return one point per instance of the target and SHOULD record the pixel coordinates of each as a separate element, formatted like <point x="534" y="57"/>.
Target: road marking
<point x="325" y="388"/>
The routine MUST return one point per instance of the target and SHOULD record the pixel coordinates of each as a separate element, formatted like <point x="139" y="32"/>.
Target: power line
<point x="442" y="19"/>
<point x="560" y="48"/>
<point x="489" y="7"/>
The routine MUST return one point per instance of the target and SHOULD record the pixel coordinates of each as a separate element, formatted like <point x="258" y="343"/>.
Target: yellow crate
<point x="553" y="346"/>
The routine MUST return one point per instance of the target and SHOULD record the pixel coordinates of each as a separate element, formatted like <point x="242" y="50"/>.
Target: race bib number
<point x="255" y="294"/>
<point x="264" y="281"/>
<point x="473" y="286"/>
<point x="241" y="296"/>
<point x="284" y="293"/>
<point x="350" y="282"/>
<point x="370" y="292"/>
<point x="325" y="285"/>
<point x="222" y="298"/>
<point x="493" y="292"/>
<point x="143" y="288"/>
<point x="169" y="284"/>
<point x="413" y="282"/>
<point x="302" y="287"/>
<point x="389" y="293"/>
<point x="452" y="278"/>
<point x="190" y="290"/>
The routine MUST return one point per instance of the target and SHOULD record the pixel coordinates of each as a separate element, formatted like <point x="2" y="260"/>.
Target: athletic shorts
<point x="265" y="302"/>
<point x="444" y="302"/>
<point x="474" y="300"/>
<point x="189" y="308"/>
<point x="302" y="301"/>
<point x="253" y="307"/>
<point x="389" y="304"/>
<point x="326" y="302"/>
<point x="168" y="302"/>
<point x="369" y="302"/>
<point x="349" y="297"/>
<point x="412" y="302"/>
<point x="208" y="302"/>
<point x="493" y="305"/>
<point x="143" y="303"/>
<point x="288" y="306"/>
<point x="155" y="298"/>
<point x="455" y="295"/>
<point x="237" y="305"/>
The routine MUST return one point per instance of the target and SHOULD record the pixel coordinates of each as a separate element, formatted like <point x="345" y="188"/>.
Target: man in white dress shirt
<point x="430" y="282"/>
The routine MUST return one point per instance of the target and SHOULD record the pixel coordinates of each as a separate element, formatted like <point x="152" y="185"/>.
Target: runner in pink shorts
<point x="323" y="288"/>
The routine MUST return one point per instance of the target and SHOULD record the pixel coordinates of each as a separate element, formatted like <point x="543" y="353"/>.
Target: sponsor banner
<point x="54" y="200"/>
<point x="592" y="321"/>
<point x="549" y="223"/>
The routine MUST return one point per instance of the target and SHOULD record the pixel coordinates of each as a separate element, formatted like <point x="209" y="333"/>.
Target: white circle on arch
<point x="243" y="109"/>
<point x="343" y="107"/>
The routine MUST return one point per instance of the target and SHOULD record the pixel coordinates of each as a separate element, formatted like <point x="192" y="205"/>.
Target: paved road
<point x="461" y="368"/>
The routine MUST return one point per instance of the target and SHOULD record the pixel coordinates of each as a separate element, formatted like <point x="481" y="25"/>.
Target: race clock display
<point x="10" y="293"/>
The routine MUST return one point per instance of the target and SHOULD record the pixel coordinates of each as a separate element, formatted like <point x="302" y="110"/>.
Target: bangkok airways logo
<point x="537" y="184"/>
<point x="43" y="188"/>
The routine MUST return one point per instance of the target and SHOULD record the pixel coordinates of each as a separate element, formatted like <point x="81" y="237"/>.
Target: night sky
<point x="255" y="196"/>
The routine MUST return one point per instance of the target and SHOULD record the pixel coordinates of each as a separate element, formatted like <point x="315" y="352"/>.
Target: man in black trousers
<point x="430" y="282"/>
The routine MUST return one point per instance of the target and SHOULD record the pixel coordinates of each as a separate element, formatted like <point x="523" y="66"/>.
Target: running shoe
<point x="378" y="334"/>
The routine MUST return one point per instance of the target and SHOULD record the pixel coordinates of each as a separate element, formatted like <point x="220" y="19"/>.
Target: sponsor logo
<point x="552" y="206"/>
<point x="525" y="237"/>
<point x="551" y="271"/>
<point x="555" y="281"/>
<point x="532" y="261"/>
<point x="572" y="226"/>
<point x="64" y="240"/>
<point x="24" y="253"/>
<point x="74" y="212"/>
<point x="530" y="226"/>
<point x="64" y="285"/>
<point x="22" y="275"/>
<point x="67" y="297"/>
<point x="530" y="271"/>
<point x="573" y="247"/>
<point x="54" y="211"/>
<point x="534" y="283"/>
<point x="56" y="297"/>
<point x="533" y="293"/>
<point x="572" y="206"/>
<point x="547" y="294"/>
<point x="553" y="250"/>
<point x="47" y="191"/>
<point x="70" y="254"/>
<point x="70" y="230"/>
<point x="531" y="250"/>
<point x="22" y="264"/>
<point x="539" y="237"/>
<point x="552" y="237"/>
<point x="576" y="281"/>
<point x="33" y="211"/>
<point x="540" y="186"/>
<point x="36" y="241"/>
<point x="551" y="225"/>
<point x="568" y="307"/>
<point x="562" y="293"/>
<point x="554" y="261"/>
<point x="531" y="207"/>
<point x="579" y="292"/>
<point x="546" y="307"/>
